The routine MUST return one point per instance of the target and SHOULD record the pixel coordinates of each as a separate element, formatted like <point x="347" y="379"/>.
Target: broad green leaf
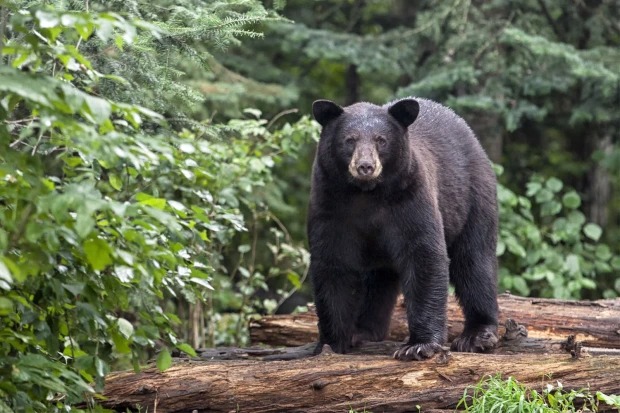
<point x="145" y="199"/>
<point x="588" y="283"/>
<point x="202" y="282"/>
<point x="571" y="200"/>
<point x="121" y="343"/>
<point x="294" y="279"/>
<point x="6" y="306"/>
<point x="533" y="188"/>
<point x="593" y="231"/>
<point x="84" y="224"/>
<point x="554" y="184"/>
<point x="603" y="252"/>
<point x="115" y="182"/>
<point x="100" y="109"/>
<point x="75" y="288"/>
<point x="97" y="253"/>
<point x="164" y="359"/>
<point x="176" y="205"/>
<point x="47" y="19"/>
<point x="572" y="264"/>
<point x="187" y="147"/>
<point x="186" y="348"/>
<point x="125" y="327"/>
<point x="38" y="90"/>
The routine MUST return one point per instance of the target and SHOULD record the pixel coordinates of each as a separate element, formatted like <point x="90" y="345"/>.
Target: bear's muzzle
<point x="365" y="164"/>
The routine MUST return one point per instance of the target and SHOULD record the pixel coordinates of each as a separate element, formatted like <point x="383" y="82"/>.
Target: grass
<point x="495" y="395"/>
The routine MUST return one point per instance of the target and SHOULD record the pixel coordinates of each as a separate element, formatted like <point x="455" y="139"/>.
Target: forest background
<point x="155" y="160"/>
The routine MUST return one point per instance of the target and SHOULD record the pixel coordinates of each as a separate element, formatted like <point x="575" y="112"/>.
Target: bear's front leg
<point x="424" y="280"/>
<point x="337" y="300"/>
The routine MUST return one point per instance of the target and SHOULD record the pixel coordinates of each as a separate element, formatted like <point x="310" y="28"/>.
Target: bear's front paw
<point x="417" y="351"/>
<point x="477" y="341"/>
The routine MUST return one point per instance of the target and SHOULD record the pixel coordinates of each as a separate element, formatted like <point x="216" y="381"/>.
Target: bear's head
<point x="365" y="141"/>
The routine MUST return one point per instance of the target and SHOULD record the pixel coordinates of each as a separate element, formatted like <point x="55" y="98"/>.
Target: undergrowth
<point x="493" y="394"/>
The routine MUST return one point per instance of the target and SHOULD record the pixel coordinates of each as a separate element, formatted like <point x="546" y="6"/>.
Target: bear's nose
<point x="365" y="169"/>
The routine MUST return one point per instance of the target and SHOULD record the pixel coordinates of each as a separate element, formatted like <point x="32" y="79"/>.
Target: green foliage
<point x="546" y="247"/>
<point x="495" y="394"/>
<point x="113" y="215"/>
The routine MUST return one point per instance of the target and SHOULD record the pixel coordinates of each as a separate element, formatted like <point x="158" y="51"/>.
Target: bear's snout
<point x="365" y="164"/>
<point x="365" y="168"/>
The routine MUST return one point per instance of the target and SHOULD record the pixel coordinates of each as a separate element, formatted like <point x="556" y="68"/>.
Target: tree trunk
<point x="353" y="85"/>
<point x="595" y="323"/>
<point x="488" y="129"/>
<point x="337" y="383"/>
<point x="599" y="192"/>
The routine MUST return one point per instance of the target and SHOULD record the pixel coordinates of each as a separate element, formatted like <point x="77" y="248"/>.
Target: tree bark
<point x="337" y="383"/>
<point x="595" y="323"/>
<point x="599" y="192"/>
<point x="488" y="129"/>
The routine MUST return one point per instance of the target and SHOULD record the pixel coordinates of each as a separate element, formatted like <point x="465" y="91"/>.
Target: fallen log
<point x="336" y="383"/>
<point x="595" y="323"/>
<point x="514" y="340"/>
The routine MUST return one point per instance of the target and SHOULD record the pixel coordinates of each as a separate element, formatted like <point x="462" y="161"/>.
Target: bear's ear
<point x="325" y="110"/>
<point x="405" y="111"/>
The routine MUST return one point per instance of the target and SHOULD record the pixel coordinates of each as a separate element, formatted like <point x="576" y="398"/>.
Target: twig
<point x="279" y="115"/>
<point x="36" y="146"/>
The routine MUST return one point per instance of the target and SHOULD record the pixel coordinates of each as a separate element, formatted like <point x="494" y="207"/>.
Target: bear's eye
<point x="381" y="141"/>
<point x="349" y="141"/>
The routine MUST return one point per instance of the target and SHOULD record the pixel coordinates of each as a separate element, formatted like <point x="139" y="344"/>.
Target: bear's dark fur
<point x="403" y="197"/>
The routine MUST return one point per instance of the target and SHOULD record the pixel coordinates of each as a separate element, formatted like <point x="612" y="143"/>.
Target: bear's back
<point x="461" y="171"/>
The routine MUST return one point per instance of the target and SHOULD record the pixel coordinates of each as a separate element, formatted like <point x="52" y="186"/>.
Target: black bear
<point x="403" y="197"/>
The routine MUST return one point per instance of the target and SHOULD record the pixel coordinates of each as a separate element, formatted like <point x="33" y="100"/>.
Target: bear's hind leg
<point x="473" y="272"/>
<point x="380" y="291"/>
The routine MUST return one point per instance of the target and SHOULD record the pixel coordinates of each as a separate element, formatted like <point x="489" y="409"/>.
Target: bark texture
<point x="337" y="383"/>
<point x="594" y="323"/>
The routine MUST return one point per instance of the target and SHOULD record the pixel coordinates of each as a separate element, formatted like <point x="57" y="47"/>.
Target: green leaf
<point x="146" y="199"/>
<point x="572" y="264"/>
<point x="202" y="282"/>
<point x="571" y="200"/>
<point x="99" y="109"/>
<point x="115" y="182"/>
<point x="533" y="188"/>
<point x="294" y="279"/>
<point x="125" y="327"/>
<point x="164" y="360"/>
<point x="6" y="306"/>
<point x="588" y="283"/>
<point x="74" y="288"/>
<point x="97" y="253"/>
<point x="554" y="184"/>
<point x="593" y="231"/>
<point x="6" y="280"/>
<point x="121" y="343"/>
<point x="603" y="252"/>
<point x="186" y="348"/>
<point x="100" y="367"/>
<point x="84" y="224"/>
<point x="47" y="19"/>
<point x="520" y="285"/>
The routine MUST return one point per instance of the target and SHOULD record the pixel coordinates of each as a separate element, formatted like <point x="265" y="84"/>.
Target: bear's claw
<point x="417" y="351"/>
<point x="479" y="341"/>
